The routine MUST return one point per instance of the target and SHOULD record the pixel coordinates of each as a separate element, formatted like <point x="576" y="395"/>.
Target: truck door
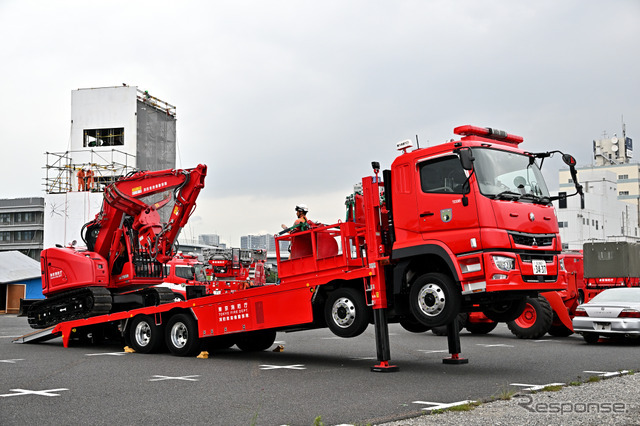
<point x="442" y="212"/>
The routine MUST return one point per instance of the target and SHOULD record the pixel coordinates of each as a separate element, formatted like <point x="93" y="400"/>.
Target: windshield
<point x="508" y="175"/>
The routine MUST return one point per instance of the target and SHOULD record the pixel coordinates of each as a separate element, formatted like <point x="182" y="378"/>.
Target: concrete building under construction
<point x="114" y="131"/>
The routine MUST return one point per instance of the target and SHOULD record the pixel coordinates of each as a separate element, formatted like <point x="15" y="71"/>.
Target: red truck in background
<point x="216" y="271"/>
<point x="463" y="226"/>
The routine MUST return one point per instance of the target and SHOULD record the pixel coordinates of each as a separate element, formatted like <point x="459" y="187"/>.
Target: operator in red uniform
<point x="81" y="182"/>
<point x="301" y="223"/>
<point x="89" y="176"/>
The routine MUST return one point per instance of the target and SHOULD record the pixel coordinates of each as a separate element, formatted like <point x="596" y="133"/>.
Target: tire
<point x="144" y="335"/>
<point x="177" y="297"/>
<point x="560" y="331"/>
<point x="580" y="297"/>
<point x="346" y="312"/>
<point x="255" y="341"/>
<point x="218" y="343"/>
<point x="434" y="299"/>
<point x="481" y="327"/>
<point x="506" y="311"/>
<point x="591" y="338"/>
<point x="413" y="326"/>
<point x="443" y="329"/>
<point x="535" y="320"/>
<point x="181" y="335"/>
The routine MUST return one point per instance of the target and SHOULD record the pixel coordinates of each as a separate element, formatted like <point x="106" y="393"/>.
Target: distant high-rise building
<point x="264" y="242"/>
<point x="22" y="225"/>
<point x="209" y="239"/>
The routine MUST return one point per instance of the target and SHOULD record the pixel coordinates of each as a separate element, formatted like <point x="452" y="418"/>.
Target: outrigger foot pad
<point x="455" y="359"/>
<point x="384" y="367"/>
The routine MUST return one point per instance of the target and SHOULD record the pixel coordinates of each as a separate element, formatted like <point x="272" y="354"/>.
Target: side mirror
<point x="466" y="158"/>
<point x="568" y="160"/>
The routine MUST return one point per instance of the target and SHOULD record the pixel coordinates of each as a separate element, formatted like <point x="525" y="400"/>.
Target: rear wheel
<point x="591" y="338"/>
<point x="346" y="312"/>
<point x="535" y="320"/>
<point x="481" y="327"/>
<point x="413" y="326"/>
<point x="443" y="330"/>
<point x="144" y="335"/>
<point x="182" y="335"/>
<point x="255" y="341"/>
<point x="434" y="299"/>
<point x="506" y="311"/>
<point x="560" y="331"/>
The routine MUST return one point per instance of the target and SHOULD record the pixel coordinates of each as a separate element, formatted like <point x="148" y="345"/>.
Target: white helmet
<point x="302" y="208"/>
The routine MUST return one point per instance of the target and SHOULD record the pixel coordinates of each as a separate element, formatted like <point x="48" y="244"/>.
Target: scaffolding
<point x="106" y="167"/>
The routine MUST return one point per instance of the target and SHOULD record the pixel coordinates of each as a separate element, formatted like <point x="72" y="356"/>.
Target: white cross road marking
<point x="10" y="361"/>
<point x="276" y="367"/>
<point x="364" y="358"/>
<point x="20" y="392"/>
<point x="191" y="378"/>
<point x="501" y="345"/>
<point x="107" y="353"/>
<point x="440" y="405"/>
<point x="544" y="340"/>
<point x="433" y="352"/>
<point x="608" y="373"/>
<point x="533" y="388"/>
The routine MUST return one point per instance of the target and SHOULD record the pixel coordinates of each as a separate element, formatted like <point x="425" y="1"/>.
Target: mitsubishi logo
<point x="534" y="242"/>
<point x="532" y="217"/>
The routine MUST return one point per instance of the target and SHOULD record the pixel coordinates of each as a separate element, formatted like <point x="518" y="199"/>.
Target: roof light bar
<point x="487" y="132"/>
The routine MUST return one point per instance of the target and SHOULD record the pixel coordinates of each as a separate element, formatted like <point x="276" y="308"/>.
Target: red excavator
<point x="126" y="246"/>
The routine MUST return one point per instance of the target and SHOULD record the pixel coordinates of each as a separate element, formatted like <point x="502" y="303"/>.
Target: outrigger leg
<point x="453" y="339"/>
<point x="382" y="343"/>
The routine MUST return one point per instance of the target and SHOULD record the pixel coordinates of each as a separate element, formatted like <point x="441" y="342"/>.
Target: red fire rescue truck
<point x="462" y="226"/>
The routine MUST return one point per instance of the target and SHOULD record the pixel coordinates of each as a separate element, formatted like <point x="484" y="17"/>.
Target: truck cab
<point x="476" y="213"/>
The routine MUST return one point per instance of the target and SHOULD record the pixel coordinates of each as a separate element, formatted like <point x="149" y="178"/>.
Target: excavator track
<point x="76" y="304"/>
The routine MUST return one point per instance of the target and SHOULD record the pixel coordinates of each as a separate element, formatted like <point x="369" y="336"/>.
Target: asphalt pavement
<point x="316" y="376"/>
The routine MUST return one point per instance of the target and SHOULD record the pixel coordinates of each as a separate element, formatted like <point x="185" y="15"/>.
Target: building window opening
<point x="5" y="236"/>
<point x="103" y="137"/>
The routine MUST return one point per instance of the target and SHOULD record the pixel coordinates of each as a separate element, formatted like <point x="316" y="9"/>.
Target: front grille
<point x="527" y="258"/>
<point x="533" y="240"/>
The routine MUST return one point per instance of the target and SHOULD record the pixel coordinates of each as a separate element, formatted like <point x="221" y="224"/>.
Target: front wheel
<point x="182" y="335"/>
<point x="144" y="335"/>
<point x="434" y="299"/>
<point x="481" y="327"/>
<point x="346" y="312"/>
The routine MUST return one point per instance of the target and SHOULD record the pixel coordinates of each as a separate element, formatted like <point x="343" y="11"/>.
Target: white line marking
<point x="331" y="338"/>
<point x="277" y="367"/>
<point x="608" y="373"/>
<point x="191" y="378"/>
<point x="433" y="352"/>
<point x="533" y="388"/>
<point x="364" y="358"/>
<point x="21" y="392"/>
<point x="501" y="345"/>
<point x="440" y="405"/>
<point x="10" y="361"/>
<point x="108" y="353"/>
<point x="544" y="340"/>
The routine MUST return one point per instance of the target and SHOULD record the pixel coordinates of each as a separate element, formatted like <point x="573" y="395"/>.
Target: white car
<point x="614" y="312"/>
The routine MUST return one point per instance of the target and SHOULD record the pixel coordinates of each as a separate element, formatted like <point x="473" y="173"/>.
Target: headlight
<point x="562" y="268"/>
<point x="504" y="263"/>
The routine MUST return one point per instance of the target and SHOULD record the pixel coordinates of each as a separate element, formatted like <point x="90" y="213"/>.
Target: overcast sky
<point x="289" y="101"/>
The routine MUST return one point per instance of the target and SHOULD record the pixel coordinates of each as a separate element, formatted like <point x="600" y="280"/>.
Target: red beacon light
<point x="488" y="133"/>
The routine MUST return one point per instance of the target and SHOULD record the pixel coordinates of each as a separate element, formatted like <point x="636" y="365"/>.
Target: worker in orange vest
<point x="81" y="181"/>
<point x="89" y="177"/>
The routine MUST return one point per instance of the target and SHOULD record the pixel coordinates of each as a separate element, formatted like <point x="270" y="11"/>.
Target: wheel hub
<point x="179" y="335"/>
<point x="431" y="299"/>
<point x="143" y="333"/>
<point x="343" y="312"/>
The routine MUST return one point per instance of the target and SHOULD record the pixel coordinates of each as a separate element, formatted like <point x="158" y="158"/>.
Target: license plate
<point x="602" y="326"/>
<point x="539" y="267"/>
